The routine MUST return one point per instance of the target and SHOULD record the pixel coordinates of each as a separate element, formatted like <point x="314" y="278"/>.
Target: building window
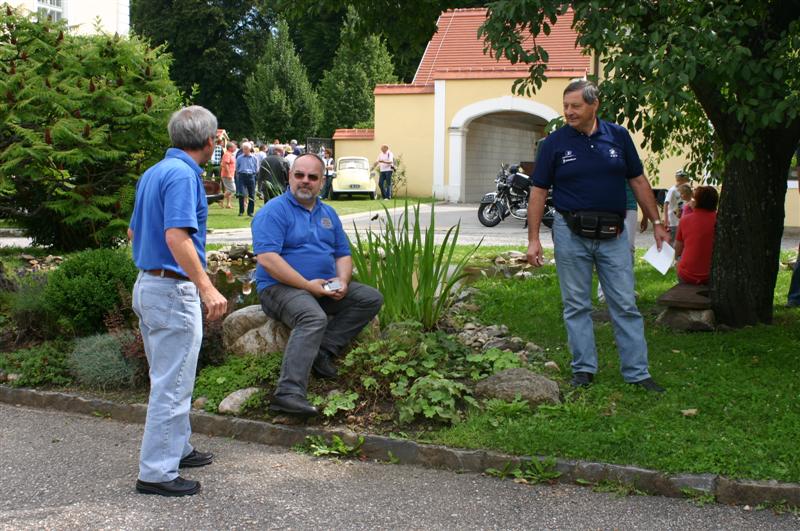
<point x="50" y="8"/>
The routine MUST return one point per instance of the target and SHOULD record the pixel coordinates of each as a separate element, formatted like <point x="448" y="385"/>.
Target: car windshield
<point x="353" y="164"/>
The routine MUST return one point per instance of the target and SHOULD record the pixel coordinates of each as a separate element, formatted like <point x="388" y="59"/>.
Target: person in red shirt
<point x="695" y="240"/>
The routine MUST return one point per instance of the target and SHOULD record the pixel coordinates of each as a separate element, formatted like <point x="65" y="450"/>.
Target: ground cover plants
<point x="742" y="385"/>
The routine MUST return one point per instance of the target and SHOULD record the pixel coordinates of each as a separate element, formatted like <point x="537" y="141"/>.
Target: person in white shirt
<point x="673" y="203"/>
<point x="385" y="165"/>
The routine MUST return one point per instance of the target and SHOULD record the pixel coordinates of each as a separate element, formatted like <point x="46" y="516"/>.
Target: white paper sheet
<point x="661" y="260"/>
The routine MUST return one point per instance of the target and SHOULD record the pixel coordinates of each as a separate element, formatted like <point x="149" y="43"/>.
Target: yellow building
<point x="458" y="120"/>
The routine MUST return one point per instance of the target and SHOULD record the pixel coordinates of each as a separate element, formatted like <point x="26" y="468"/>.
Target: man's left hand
<point x="340" y="293"/>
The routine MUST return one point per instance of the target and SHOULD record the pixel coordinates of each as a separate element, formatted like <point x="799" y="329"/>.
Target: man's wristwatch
<point x="658" y="222"/>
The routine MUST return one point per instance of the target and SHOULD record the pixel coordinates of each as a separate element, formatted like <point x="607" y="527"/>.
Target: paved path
<point x="508" y="232"/>
<point x="62" y="471"/>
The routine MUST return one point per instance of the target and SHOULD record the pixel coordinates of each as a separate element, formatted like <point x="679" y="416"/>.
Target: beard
<point x="303" y="194"/>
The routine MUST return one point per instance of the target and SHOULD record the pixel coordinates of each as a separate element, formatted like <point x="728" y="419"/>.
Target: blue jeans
<point x="793" y="299"/>
<point x="312" y="332"/>
<point x="575" y="257"/>
<point x="171" y="324"/>
<point x="247" y="185"/>
<point x="385" y="184"/>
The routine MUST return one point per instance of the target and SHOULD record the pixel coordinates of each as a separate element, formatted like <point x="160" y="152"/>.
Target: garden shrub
<point x="88" y="286"/>
<point x="98" y="361"/>
<point x="42" y="365"/>
<point x="29" y="310"/>
<point x="217" y="382"/>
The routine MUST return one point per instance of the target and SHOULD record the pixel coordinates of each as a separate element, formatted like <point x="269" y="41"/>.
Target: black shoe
<point x="292" y="404"/>
<point x="176" y="487"/>
<point x="649" y="385"/>
<point x="582" y="379"/>
<point x="196" y="459"/>
<point x="323" y="367"/>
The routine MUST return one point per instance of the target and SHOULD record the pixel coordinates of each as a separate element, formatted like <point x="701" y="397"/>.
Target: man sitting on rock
<point x="303" y="276"/>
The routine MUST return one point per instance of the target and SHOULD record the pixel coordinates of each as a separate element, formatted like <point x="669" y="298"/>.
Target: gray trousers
<point x="312" y="332"/>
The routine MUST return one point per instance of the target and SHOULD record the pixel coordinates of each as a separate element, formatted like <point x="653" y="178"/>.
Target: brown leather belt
<point x="166" y="273"/>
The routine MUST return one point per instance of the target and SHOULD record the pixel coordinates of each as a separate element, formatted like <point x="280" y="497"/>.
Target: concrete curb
<point x="725" y="490"/>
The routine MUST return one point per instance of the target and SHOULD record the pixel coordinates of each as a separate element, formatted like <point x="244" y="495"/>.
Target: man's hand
<point x="643" y="224"/>
<point x="215" y="303"/>
<point x="316" y="287"/>
<point x="534" y="253"/>
<point x="338" y="294"/>
<point x="661" y="234"/>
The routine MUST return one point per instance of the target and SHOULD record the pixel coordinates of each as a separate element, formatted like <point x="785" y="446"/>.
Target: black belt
<point x="166" y="273"/>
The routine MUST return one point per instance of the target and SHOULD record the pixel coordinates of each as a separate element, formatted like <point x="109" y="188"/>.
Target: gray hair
<point x="588" y="90"/>
<point x="191" y="127"/>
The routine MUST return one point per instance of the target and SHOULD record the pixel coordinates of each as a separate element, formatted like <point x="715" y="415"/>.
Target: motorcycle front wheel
<point x="489" y="214"/>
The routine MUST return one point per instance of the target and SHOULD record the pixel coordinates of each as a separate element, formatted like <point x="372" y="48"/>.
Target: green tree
<point x="215" y="44"/>
<point x="280" y="99"/>
<point x="80" y="117"/>
<point x="406" y="27"/>
<point x="346" y="91"/>
<point x="315" y="35"/>
<point x="673" y="68"/>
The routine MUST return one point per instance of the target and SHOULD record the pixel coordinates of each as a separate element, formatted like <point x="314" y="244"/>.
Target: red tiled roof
<point x="455" y="47"/>
<point x="354" y="134"/>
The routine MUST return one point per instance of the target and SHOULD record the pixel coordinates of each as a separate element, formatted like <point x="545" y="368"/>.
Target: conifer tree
<point x="347" y="90"/>
<point x="80" y="118"/>
<point x="280" y="98"/>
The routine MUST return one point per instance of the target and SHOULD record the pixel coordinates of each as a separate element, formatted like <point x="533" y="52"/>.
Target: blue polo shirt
<point x="588" y="172"/>
<point x="169" y="195"/>
<point x="310" y="241"/>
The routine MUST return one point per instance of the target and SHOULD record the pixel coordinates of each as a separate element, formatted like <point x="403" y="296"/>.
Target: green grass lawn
<point x="228" y="218"/>
<point x="744" y="384"/>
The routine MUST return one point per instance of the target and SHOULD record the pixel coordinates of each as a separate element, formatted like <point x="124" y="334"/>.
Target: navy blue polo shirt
<point x="309" y="241"/>
<point x="169" y="195"/>
<point x="588" y="172"/>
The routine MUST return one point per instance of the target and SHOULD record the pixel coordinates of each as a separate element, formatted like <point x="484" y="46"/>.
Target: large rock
<point x="685" y="319"/>
<point x="232" y="404"/>
<point x="531" y="387"/>
<point x="249" y="331"/>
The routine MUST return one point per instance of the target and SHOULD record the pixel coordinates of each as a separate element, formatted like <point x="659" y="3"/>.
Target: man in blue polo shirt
<point x="168" y="231"/>
<point x="303" y="276"/>
<point x="587" y="163"/>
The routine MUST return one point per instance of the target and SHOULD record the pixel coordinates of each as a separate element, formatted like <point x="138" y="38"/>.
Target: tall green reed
<point x="415" y="276"/>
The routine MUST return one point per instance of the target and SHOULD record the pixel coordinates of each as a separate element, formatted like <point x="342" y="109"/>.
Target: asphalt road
<point x="62" y="471"/>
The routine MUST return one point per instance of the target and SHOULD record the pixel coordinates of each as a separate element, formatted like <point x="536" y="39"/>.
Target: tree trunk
<point x="748" y="235"/>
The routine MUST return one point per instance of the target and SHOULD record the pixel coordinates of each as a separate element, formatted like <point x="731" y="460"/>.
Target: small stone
<point x="200" y="403"/>
<point x="552" y="366"/>
<point x="496" y="330"/>
<point x="516" y="256"/>
<point x="523" y="275"/>
<point x="351" y="419"/>
<point x="689" y="412"/>
<point x="470" y="326"/>
<point x="238" y="251"/>
<point x="533" y="347"/>
<point x="232" y="404"/>
<point x="13" y="377"/>
<point x="3" y="376"/>
<point x="27" y="257"/>
<point x="500" y="260"/>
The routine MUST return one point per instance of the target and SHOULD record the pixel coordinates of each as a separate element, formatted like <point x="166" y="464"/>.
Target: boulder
<point x="505" y="343"/>
<point x="531" y="387"/>
<point x="249" y="331"/>
<point x="686" y="319"/>
<point x="239" y="251"/>
<point x="232" y="404"/>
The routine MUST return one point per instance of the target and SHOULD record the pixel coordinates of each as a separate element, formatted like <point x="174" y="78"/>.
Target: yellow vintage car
<point x="353" y="177"/>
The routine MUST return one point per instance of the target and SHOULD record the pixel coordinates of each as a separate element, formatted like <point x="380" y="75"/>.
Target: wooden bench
<point x="688" y="308"/>
<point x="687" y="296"/>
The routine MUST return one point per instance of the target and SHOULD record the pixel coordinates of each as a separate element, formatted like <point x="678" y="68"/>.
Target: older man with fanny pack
<point x="587" y="163"/>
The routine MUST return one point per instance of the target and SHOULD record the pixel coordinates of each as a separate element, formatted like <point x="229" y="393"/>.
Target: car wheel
<point x="489" y="214"/>
<point x="333" y="196"/>
<point x="372" y="195"/>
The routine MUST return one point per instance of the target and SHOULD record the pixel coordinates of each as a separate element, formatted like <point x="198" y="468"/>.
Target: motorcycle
<point x="510" y="198"/>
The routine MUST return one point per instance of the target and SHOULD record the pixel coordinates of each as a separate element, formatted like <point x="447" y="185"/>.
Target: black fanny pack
<point x="594" y="225"/>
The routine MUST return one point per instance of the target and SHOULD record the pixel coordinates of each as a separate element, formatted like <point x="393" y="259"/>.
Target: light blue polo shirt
<point x="309" y="241"/>
<point x="588" y="172"/>
<point x="169" y="195"/>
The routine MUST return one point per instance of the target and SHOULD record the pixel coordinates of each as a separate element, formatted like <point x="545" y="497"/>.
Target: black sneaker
<point x="582" y="379"/>
<point x="196" y="459"/>
<point x="649" y="385"/>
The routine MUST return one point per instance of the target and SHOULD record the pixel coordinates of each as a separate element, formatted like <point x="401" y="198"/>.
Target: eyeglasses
<point x="299" y="175"/>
